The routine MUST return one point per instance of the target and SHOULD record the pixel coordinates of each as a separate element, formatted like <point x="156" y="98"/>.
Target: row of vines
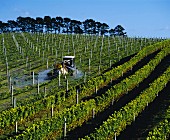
<point x="30" y="109"/>
<point x="103" y="101"/>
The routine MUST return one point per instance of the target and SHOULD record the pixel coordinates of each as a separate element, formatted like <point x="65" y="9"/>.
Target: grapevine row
<point x="128" y="84"/>
<point x="103" y="101"/>
<point x="126" y="115"/>
<point x="72" y="115"/>
<point x="22" y="112"/>
<point x="144" y="70"/>
<point x="34" y="42"/>
<point x="162" y="130"/>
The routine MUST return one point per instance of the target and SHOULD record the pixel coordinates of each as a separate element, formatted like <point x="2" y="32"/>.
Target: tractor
<point x="67" y="66"/>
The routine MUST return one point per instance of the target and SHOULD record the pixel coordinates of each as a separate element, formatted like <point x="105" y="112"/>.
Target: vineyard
<point x="120" y="93"/>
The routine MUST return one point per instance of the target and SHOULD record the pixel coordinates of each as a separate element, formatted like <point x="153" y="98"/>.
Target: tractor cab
<point x="69" y="61"/>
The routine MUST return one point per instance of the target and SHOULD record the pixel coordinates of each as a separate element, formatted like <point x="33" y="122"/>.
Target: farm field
<point x="121" y="90"/>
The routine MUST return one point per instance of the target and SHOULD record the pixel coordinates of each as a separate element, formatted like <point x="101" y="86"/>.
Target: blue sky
<point x="143" y="18"/>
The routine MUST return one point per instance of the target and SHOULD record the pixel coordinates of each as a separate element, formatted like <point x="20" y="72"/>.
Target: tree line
<point x="60" y="25"/>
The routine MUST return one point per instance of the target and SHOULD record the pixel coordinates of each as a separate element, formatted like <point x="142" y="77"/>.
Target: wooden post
<point x="12" y="98"/>
<point x="89" y="64"/>
<point x="10" y="82"/>
<point x="111" y="81"/>
<point x="52" y="110"/>
<point x="16" y="127"/>
<point x="96" y="89"/>
<point x="113" y="101"/>
<point x="110" y="63"/>
<point x="14" y="104"/>
<point x="77" y="97"/>
<point x="84" y="77"/>
<point x="93" y="113"/>
<point x="133" y="116"/>
<point x="99" y="69"/>
<point x="47" y="63"/>
<point x="38" y="87"/>
<point x="7" y="69"/>
<point x="33" y="78"/>
<point x="64" y="96"/>
<point x="65" y="127"/>
<point x="91" y="54"/>
<point x="67" y="85"/>
<point x="115" y="135"/>
<point x="59" y="80"/>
